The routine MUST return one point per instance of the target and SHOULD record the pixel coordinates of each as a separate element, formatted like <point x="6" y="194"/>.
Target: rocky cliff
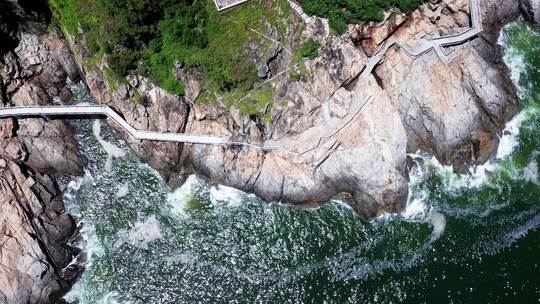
<point x="326" y="147"/>
<point x="337" y="133"/>
<point x="34" y="230"/>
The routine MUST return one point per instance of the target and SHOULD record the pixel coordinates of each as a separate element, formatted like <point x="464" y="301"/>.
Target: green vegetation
<point x="295" y="75"/>
<point x="151" y="37"/>
<point x="138" y="98"/>
<point x="343" y="12"/>
<point x="308" y="49"/>
<point x="259" y="102"/>
<point x="299" y="71"/>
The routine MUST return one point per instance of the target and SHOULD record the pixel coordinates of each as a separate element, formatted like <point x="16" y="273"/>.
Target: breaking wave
<point x="146" y="243"/>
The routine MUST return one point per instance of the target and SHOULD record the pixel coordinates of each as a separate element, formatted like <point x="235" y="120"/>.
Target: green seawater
<point x="461" y="239"/>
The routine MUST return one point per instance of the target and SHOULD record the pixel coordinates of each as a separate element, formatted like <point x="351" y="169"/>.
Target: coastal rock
<point x="369" y="36"/>
<point x="34" y="230"/>
<point x="33" y="233"/>
<point x="443" y="105"/>
<point x="35" y="60"/>
<point x="337" y="66"/>
<point x="323" y="147"/>
<point x="531" y="11"/>
<point x="49" y="146"/>
<point x="160" y="111"/>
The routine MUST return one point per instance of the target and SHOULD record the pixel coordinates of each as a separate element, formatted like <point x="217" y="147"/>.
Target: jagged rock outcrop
<point x="34" y="74"/>
<point x="531" y="11"/>
<point x="442" y="105"/>
<point x="146" y="107"/>
<point x="453" y="110"/>
<point x="34" y="229"/>
<point x="33" y="233"/>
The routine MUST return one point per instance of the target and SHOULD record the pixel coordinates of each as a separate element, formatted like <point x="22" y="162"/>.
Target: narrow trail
<point x="223" y="140"/>
<point x="427" y="45"/>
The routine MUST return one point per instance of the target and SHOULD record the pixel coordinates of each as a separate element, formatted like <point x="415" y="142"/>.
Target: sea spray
<point x="112" y="150"/>
<point x="122" y="190"/>
<point x="143" y="232"/>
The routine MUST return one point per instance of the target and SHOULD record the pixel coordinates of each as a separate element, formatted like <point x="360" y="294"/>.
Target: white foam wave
<point x="93" y="248"/>
<point x="530" y="173"/>
<point x="142" y="233"/>
<point x="509" y="140"/>
<point x="515" y="61"/>
<point x="416" y="210"/>
<point x="122" y="190"/>
<point x="181" y="258"/>
<point x="223" y="194"/>
<point x="112" y="150"/>
<point x="73" y="187"/>
<point x="438" y="221"/>
<point x="179" y="198"/>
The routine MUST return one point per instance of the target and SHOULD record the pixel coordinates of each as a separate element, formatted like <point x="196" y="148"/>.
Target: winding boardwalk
<point x="219" y="140"/>
<point x="85" y="111"/>
<point x="427" y="45"/>
<point x="222" y="5"/>
<point x="298" y="9"/>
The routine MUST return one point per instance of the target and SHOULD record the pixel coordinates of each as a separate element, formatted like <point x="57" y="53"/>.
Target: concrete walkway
<point x="85" y="111"/>
<point x="427" y="45"/>
<point x="90" y="111"/>
<point x="296" y="7"/>
<point x="222" y="5"/>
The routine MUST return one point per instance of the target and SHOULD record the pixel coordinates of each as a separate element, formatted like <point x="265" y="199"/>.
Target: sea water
<point x="462" y="238"/>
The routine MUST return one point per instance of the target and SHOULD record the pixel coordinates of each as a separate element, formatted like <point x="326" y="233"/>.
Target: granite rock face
<point x="34" y="229"/>
<point x="324" y="146"/>
<point x="442" y="105"/>
<point x="145" y="107"/>
<point x="531" y="11"/>
<point x="34" y="74"/>
<point x="453" y="110"/>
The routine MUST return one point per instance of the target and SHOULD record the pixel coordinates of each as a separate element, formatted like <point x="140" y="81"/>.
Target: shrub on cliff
<point x="308" y="49"/>
<point x="151" y="36"/>
<point x="343" y="12"/>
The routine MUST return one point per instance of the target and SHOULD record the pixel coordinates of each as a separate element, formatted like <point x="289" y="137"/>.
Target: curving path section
<point x="85" y="111"/>
<point x="92" y="110"/>
<point x="427" y="45"/>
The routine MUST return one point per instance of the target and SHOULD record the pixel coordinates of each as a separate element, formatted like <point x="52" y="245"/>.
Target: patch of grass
<point x="207" y="97"/>
<point x="308" y="49"/>
<point x="259" y="103"/>
<point x="113" y="79"/>
<point x="297" y="73"/>
<point x="138" y="98"/>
